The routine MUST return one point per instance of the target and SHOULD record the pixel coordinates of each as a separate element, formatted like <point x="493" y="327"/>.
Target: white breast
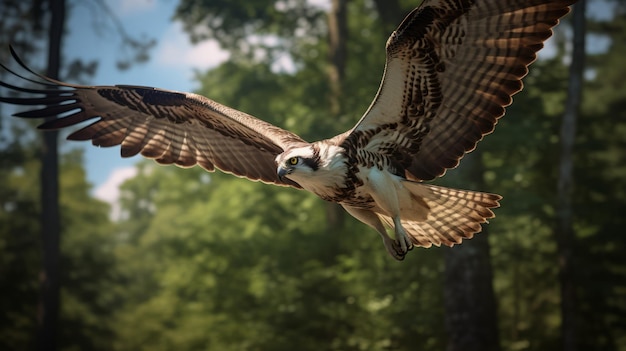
<point x="386" y="189"/>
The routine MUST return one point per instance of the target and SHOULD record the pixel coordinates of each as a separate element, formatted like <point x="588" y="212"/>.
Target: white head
<point x="319" y="168"/>
<point x="298" y="163"/>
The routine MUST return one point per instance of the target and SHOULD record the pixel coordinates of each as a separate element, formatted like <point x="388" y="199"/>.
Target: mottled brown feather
<point x="452" y="68"/>
<point x="170" y="127"/>
<point x="453" y="215"/>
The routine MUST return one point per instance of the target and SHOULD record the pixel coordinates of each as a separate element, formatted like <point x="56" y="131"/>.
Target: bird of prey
<point x="452" y="66"/>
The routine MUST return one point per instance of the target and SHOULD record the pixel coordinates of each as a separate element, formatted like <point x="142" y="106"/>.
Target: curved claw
<point x="402" y="237"/>
<point x="394" y="248"/>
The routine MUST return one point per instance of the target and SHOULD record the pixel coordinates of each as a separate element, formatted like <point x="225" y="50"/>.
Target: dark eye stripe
<point x="312" y="163"/>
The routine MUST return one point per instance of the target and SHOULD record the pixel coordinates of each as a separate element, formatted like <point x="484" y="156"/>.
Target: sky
<point x="171" y="66"/>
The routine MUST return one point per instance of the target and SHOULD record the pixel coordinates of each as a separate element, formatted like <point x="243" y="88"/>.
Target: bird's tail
<point x="451" y="214"/>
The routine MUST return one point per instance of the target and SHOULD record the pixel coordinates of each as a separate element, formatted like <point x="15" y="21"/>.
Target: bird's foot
<point x="393" y="248"/>
<point x="401" y="246"/>
<point x="403" y="241"/>
<point x="405" y="244"/>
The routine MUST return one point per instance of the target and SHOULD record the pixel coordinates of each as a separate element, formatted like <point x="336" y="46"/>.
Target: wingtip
<point x="18" y="59"/>
<point x="44" y="80"/>
<point x="12" y="50"/>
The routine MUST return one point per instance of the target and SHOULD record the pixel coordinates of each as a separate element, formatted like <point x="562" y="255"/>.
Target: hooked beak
<point x="282" y="172"/>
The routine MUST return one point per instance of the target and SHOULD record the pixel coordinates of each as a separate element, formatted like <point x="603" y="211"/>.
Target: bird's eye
<point x="293" y="161"/>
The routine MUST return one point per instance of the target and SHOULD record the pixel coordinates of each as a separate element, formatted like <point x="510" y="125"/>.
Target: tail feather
<point x="452" y="215"/>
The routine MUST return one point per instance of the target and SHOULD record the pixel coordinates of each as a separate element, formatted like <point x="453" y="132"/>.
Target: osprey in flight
<point x="452" y="67"/>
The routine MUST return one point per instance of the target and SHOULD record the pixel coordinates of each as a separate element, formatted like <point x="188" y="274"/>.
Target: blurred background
<point x="142" y="257"/>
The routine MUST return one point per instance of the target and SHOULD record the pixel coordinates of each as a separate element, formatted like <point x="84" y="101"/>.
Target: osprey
<point x="452" y="67"/>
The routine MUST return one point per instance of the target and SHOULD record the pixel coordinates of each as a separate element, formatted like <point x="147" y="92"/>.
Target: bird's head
<point x="298" y="163"/>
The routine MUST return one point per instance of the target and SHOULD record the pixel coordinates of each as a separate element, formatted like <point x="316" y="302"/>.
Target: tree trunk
<point x="337" y="53"/>
<point x="337" y="36"/>
<point x="50" y="226"/>
<point x="564" y="231"/>
<point x="470" y="305"/>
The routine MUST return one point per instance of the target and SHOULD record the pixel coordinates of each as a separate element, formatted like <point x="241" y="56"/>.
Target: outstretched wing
<point x="171" y="127"/>
<point x="452" y="67"/>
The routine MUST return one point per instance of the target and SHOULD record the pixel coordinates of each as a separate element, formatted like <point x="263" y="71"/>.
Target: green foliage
<point x="229" y="264"/>
<point x="233" y="22"/>
<point x="87" y="260"/>
<point x="208" y="261"/>
<point x="19" y="255"/>
<point x="600" y="199"/>
<point x="521" y="158"/>
<point x="239" y="265"/>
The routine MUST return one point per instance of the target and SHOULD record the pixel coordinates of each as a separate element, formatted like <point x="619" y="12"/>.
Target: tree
<point x="208" y="261"/>
<point x="261" y="283"/>
<point x="89" y="268"/>
<point x="50" y="226"/>
<point x="564" y="231"/>
<point x="267" y="282"/>
<point x="336" y="82"/>
<point x="19" y="255"/>
<point x="471" y="319"/>
<point x="598" y="195"/>
<point x="25" y="34"/>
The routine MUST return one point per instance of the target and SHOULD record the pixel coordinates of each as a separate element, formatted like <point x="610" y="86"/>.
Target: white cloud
<point x="322" y="4"/>
<point x="109" y="191"/>
<point x="128" y="7"/>
<point x="176" y="50"/>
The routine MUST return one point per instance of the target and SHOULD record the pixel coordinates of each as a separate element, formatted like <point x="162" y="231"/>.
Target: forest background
<point x="200" y="261"/>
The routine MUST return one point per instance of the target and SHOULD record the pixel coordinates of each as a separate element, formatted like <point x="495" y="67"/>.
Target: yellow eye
<point x="293" y="161"/>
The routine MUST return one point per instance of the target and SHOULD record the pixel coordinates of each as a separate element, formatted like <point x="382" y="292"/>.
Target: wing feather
<point x="170" y="127"/>
<point x="452" y="68"/>
<point x="453" y="215"/>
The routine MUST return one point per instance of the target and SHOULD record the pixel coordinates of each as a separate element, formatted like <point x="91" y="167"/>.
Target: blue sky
<point x="91" y="36"/>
